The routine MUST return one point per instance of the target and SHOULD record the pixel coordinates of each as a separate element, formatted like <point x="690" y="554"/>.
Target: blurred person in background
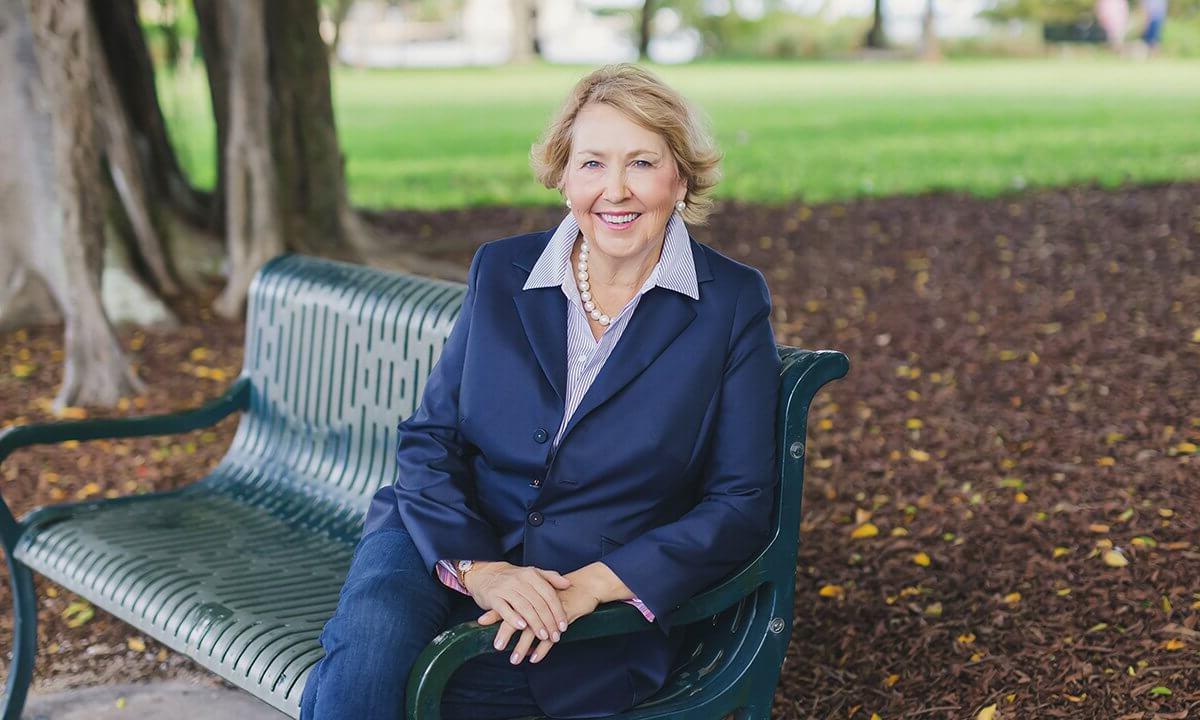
<point x="1113" y="16"/>
<point x="1156" y="15"/>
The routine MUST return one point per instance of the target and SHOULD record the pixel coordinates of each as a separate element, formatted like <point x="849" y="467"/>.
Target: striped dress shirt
<point x="675" y="270"/>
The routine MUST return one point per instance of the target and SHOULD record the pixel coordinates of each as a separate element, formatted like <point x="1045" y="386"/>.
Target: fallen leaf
<point x="1114" y="558"/>
<point x="1160" y="691"/>
<point x="866" y="530"/>
<point x="966" y="638"/>
<point x="1173" y="644"/>
<point x="832" y="591"/>
<point x="987" y="713"/>
<point x="1012" y="598"/>
<point x="136" y="644"/>
<point x="918" y="455"/>
<point x="78" y="613"/>
<point x="1060" y="551"/>
<point x="891" y="680"/>
<point x="921" y="559"/>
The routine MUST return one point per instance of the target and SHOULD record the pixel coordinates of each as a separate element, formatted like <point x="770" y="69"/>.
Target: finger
<point x="540" y="651"/>
<point x="526" y="601"/>
<point x="510" y="614"/>
<point x="503" y="635"/>
<point x="560" y="582"/>
<point x="546" y="602"/>
<point x="557" y="622"/>
<point x="523" y="644"/>
<point x="489" y="617"/>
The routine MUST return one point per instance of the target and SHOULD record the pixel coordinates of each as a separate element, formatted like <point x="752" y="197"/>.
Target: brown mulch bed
<point x="1019" y="428"/>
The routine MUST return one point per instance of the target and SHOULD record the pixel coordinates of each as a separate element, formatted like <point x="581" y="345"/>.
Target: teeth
<point x="619" y="219"/>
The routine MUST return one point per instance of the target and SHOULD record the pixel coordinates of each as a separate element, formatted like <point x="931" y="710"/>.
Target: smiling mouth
<point x="619" y="220"/>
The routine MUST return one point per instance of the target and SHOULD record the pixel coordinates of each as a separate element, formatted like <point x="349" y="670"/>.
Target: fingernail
<point x="556" y="636"/>
<point x="562" y="625"/>
<point x="542" y="634"/>
<point x="515" y="659"/>
<point x="497" y="644"/>
<point x="521" y="624"/>
<point x="533" y="658"/>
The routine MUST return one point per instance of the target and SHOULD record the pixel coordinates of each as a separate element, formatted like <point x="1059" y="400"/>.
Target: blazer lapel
<point x="543" y="312"/>
<point x="661" y="315"/>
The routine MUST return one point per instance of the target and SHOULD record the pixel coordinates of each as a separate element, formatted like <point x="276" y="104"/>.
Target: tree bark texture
<point x="308" y="159"/>
<point x="133" y="75"/>
<point x="72" y="225"/>
<point x="253" y="223"/>
<point x="267" y="60"/>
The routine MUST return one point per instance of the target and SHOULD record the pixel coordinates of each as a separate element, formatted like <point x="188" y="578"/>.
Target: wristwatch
<point x="463" y="567"/>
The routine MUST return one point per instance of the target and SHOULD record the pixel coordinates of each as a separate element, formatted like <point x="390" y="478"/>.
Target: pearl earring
<point x="568" y="203"/>
<point x="680" y="206"/>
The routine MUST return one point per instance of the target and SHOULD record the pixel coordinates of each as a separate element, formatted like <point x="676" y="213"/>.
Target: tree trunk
<point x="277" y="70"/>
<point x="930" y="51"/>
<point x="523" y="31"/>
<point x="644" y="29"/>
<point x="876" y="37"/>
<point x="96" y="371"/>
<point x="253" y="225"/>
<point x="340" y="10"/>
<point x="214" y="49"/>
<point x="133" y="75"/>
<point x="308" y="160"/>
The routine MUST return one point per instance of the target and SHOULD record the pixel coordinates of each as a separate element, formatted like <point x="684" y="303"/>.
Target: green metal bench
<point x="241" y="569"/>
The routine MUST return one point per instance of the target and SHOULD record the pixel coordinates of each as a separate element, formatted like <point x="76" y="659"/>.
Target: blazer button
<point x="535" y="518"/>
<point x="541" y="435"/>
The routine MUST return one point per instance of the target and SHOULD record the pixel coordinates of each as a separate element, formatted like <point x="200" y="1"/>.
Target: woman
<point x="599" y="427"/>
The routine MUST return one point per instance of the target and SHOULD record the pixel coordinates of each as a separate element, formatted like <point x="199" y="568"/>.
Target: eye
<point x="589" y="162"/>
<point x="644" y="163"/>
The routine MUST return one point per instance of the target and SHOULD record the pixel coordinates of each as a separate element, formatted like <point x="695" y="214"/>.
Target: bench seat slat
<point x="242" y="589"/>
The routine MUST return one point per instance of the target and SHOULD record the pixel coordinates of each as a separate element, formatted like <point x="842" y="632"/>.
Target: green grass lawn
<point x="455" y="138"/>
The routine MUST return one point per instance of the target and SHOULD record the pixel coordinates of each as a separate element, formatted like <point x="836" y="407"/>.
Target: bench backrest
<point x="336" y="354"/>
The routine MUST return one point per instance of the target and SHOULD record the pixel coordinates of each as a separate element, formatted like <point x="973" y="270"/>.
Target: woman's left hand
<point x="577" y="600"/>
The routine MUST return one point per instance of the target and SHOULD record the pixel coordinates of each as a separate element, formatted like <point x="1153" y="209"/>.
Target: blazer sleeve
<point x="671" y="563"/>
<point x="434" y="487"/>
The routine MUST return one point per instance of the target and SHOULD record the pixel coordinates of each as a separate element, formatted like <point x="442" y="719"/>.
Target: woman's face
<point x="619" y="169"/>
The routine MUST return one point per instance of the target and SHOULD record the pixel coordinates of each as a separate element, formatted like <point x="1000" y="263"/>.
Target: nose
<point x="614" y="186"/>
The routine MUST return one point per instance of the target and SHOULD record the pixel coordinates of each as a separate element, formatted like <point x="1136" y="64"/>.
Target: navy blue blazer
<point x="666" y="471"/>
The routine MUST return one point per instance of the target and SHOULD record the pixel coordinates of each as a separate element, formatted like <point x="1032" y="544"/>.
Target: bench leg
<point x="20" y="670"/>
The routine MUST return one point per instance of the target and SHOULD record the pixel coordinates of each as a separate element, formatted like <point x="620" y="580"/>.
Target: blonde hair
<point x="649" y="102"/>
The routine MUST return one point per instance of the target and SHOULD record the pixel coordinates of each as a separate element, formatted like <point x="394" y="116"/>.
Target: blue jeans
<point x="389" y="609"/>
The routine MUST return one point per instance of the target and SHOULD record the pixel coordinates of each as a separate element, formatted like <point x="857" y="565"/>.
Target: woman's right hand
<point x="523" y="596"/>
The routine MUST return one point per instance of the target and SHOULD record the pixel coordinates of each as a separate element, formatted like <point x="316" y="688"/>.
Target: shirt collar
<point x="675" y="269"/>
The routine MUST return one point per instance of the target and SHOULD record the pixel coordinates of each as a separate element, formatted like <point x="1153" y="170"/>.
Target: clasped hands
<point x="538" y="603"/>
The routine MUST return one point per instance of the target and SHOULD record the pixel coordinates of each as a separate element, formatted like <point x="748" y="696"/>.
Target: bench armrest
<point x="455" y="646"/>
<point x="236" y="398"/>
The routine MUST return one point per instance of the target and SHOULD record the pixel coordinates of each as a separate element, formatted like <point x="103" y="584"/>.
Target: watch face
<point x="464" y="565"/>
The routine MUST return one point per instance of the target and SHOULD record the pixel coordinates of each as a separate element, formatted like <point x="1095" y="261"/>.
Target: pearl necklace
<point x="581" y="279"/>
